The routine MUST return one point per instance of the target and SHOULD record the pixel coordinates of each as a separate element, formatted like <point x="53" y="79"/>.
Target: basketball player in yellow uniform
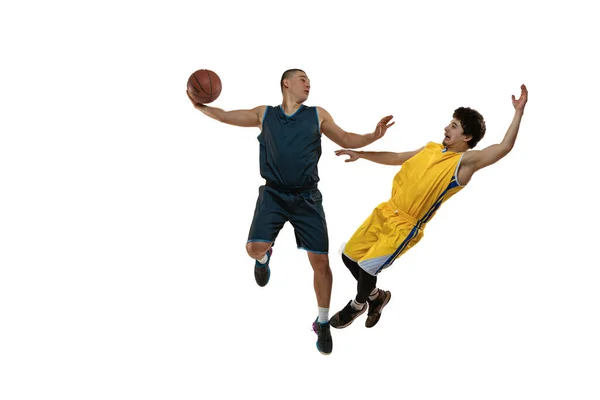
<point x="429" y="176"/>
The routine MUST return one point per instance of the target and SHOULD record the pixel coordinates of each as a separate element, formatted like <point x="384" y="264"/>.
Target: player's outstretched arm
<point x="477" y="159"/>
<point x="379" y="157"/>
<point x="351" y="140"/>
<point x="245" y="118"/>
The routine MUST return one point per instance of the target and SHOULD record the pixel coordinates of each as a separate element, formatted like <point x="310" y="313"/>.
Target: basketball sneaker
<point x="346" y="316"/>
<point x="324" y="340"/>
<point x="376" y="306"/>
<point x="262" y="272"/>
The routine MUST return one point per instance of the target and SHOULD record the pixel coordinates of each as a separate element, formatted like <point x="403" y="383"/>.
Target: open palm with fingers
<point x="382" y="126"/>
<point x="519" y="103"/>
<point x="353" y="154"/>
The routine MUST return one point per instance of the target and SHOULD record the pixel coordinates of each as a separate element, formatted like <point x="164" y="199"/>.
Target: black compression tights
<point x="366" y="281"/>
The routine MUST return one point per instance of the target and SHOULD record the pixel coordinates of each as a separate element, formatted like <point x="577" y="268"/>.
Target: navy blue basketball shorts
<point x="303" y="209"/>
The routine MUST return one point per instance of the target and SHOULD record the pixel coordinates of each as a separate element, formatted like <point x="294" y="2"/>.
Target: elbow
<point x="503" y="148"/>
<point x="347" y="143"/>
<point x="506" y="149"/>
<point x="507" y="145"/>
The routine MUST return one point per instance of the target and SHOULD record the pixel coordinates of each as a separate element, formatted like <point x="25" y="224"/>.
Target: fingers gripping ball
<point x="204" y="86"/>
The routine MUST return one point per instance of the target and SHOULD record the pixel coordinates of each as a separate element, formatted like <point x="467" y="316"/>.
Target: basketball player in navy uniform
<point x="290" y="148"/>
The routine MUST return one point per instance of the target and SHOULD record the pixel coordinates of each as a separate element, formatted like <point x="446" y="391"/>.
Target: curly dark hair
<point x="472" y="123"/>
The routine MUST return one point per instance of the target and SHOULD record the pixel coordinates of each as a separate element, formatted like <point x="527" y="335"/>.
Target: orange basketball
<point x="204" y="86"/>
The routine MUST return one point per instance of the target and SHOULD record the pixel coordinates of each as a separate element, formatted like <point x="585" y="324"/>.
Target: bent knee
<point x="257" y="249"/>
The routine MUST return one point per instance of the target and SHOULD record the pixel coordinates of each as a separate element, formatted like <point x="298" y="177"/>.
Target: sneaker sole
<point x="325" y="354"/>
<point x="378" y="314"/>
<point x="352" y="320"/>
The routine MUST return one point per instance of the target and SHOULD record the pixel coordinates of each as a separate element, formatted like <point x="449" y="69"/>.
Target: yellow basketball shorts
<point x="384" y="236"/>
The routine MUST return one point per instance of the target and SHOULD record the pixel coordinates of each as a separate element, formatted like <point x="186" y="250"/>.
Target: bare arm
<point x="379" y="157"/>
<point x="476" y="160"/>
<point x="347" y="139"/>
<point x="245" y="118"/>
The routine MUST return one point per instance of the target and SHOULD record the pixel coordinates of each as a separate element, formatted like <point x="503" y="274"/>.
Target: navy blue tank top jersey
<point x="290" y="147"/>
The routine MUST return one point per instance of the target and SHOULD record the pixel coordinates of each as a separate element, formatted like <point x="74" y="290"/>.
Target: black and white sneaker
<point x="346" y="316"/>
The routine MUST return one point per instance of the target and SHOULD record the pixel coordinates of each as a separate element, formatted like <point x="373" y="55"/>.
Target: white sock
<point x="264" y="259"/>
<point x="374" y="294"/>
<point x="323" y="315"/>
<point x="356" y="305"/>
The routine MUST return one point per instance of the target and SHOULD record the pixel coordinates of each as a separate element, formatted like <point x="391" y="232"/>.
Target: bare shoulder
<point x="324" y="115"/>
<point x="260" y="113"/>
<point x="260" y="110"/>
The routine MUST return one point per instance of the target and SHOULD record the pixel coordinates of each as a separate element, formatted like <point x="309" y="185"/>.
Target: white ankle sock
<point x="374" y="294"/>
<point x="356" y="305"/>
<point x="264" y="259"/>
<point x="323" y="315"/>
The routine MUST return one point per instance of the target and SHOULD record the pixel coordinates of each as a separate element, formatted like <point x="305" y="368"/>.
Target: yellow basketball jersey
<point x="425" y="181"/>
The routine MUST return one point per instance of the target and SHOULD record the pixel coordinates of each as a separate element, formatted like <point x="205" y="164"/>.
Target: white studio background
<point x="124" y="211"/>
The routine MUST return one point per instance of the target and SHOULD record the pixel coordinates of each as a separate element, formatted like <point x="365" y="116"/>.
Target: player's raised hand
<point x="382" y="127"/>
<point x="194" y="102"/>
<point x="519" y="103"/>
<point x="353" y="154"/>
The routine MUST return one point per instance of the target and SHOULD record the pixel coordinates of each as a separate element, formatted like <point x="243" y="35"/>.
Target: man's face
<point x="299" y="86"/>
<point x="454" y="133"/>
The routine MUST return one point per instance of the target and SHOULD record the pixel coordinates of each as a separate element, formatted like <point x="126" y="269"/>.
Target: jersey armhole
<point x="456" y="170"/>
<point x="264" y="117"/>
<point x="318" y="123"/>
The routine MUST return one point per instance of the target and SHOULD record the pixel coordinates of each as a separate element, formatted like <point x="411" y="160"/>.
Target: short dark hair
<point x="472" y="123"/>
<point x="287" y="75"/>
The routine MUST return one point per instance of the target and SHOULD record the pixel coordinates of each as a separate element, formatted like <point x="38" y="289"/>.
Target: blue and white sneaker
<point x="324" y="340"/>
<point x="262" y="272"/>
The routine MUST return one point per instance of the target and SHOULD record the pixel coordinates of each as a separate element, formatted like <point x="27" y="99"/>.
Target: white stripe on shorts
<point x="372" y="265"/>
